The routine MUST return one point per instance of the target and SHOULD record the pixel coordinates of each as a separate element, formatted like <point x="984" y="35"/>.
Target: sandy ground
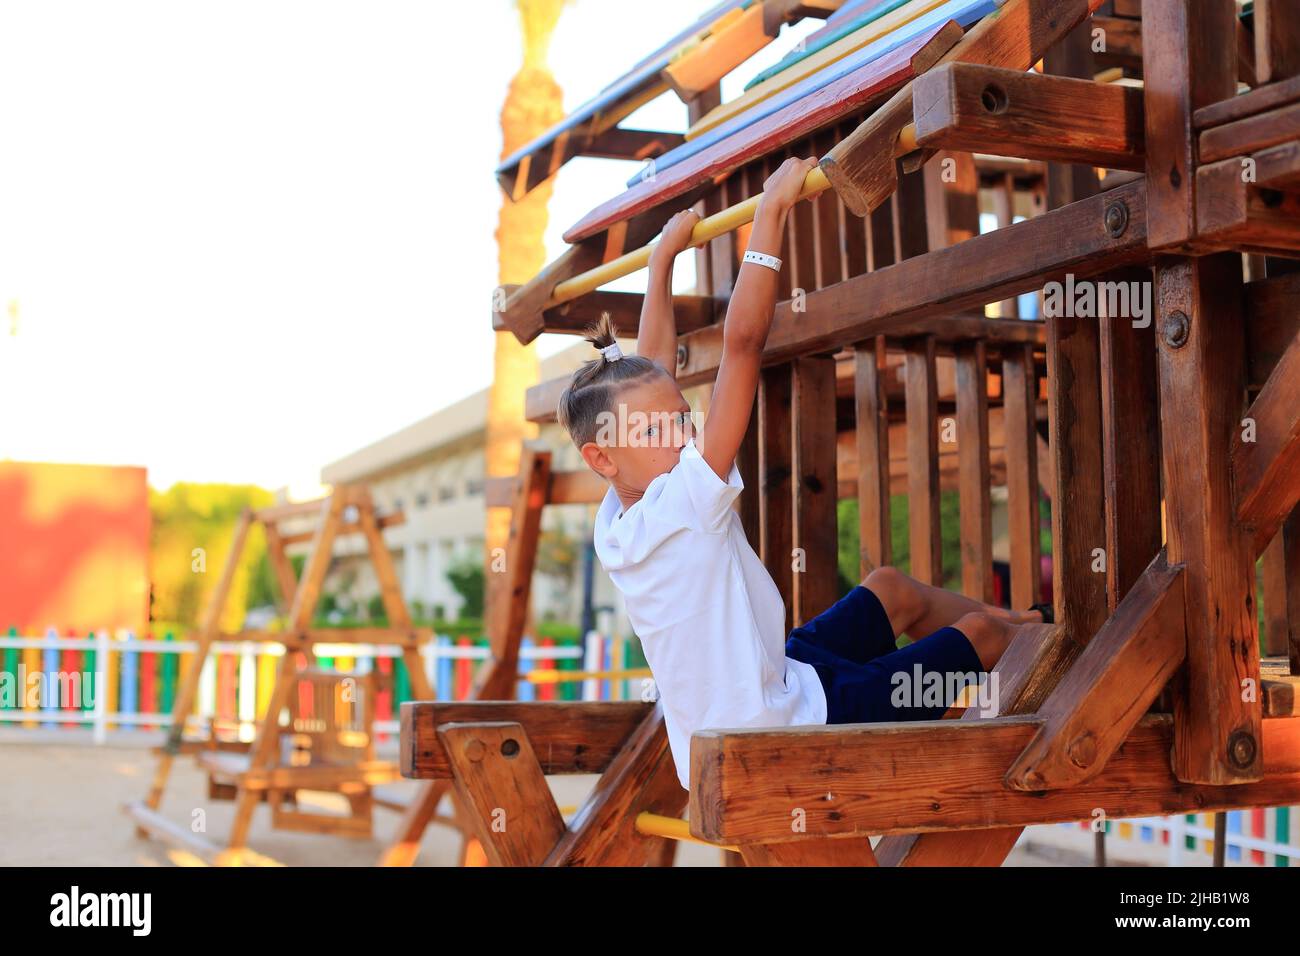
<point x="60" y="804"/>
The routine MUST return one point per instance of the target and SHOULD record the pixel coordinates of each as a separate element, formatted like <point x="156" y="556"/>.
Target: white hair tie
<point x="612" y="352"/>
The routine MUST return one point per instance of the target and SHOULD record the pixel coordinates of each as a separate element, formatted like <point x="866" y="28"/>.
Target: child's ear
<point x="598" y="461"/>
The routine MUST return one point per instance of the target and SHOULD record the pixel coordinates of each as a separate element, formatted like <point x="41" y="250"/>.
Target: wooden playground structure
<point x="1172" y="449"/>
<point x="327" y="743"/>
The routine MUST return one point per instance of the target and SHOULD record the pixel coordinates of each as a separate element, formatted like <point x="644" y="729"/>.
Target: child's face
<point x="642" y="437"/>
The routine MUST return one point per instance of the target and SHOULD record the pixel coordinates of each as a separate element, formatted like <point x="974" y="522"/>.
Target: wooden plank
<point x="583" y="487"/>
<point x="1256" y="101"/>
<point x="580" y="737"/>
<point x="862" y="167"/>
<point x="507" y="611"/>
<point x="699" y="66"/>
<point x="859" y="779"/>
<point x="577" y="316"/>
<point x="965" y="106"/>
<point x="1250" y="134"/>
<point x="1230" y="211"/>
<point x="813" y="447"/>
<point x="1019" y="388"/>
<point x="502" y="788"/>
<point x="1111" y="685"/>
<point x="1273" y="590"/>
<point x="1078" y="504"/>
<point x="776" y="497"/>
<point x="872" y="434"/>
<point x="1202" y="369"/>
<point x="1266" y="452"/>
<point x="1130" y="430"/>
<point x="702" y="165"/>
<point x="827" y="212"/>
<point x="804" y="853"/>
<point x="1277" y="41"/>
<point x="976" y="511"/>
<point x="1186" y="65"/>
<point x="630" y="144"/>
<point x="924" y="532"/>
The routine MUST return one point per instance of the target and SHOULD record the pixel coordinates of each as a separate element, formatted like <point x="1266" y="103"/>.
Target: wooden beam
<point x="1186" y="65"/>
<point x="872" y="435"/>
<point x="1020" y="388"/>
<point x="624" y="308"/>
<point x="1266" y="452"/>
<point x="1111" y="685"/>
<point x="1130" y="422"/>
<point x="631" y="144"/>
<point x="1277" y="41"/>
<point x="813" y="480"/>
<point x="862" y="168"/>
<point x="572" y="737"/>
<point x="976" y="511"/>
<point x="1233" y="210"/>
<point x="698" y="67"/>
<point x="924" y="532"/>
<point x="776" y="496"/>
<point x="1202" y="372"/>
<point x="1260" y="100"/>
<point x="507" y="611"/>
<point x="860" y="779"/>
<point x="501" y="785"/>
<point x="983" y="109"/>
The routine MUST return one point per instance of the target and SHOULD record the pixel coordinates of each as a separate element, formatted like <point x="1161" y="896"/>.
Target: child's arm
<point x="657" y="335"/>
<point x="749" y="317"/>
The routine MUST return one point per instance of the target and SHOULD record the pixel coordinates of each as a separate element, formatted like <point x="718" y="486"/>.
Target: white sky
<point x="247" y="238"/>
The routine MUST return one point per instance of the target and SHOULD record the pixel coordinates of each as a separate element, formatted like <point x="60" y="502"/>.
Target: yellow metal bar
<point x="671" y="828"/>
<point x="719" y="224"/>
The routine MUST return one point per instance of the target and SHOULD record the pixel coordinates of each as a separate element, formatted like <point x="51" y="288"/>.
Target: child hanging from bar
<point x="708" y="614"/>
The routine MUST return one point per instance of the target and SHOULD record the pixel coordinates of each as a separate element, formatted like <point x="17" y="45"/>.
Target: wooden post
<point x="973" y="468"/>
<point x="926" y="544"/>
<point x="813" y="445"/>
<point x="1019" y="417"/>
<point x="775" y="453"/>
<point x="872" y="429"/>
<point x="1202" y="397"/>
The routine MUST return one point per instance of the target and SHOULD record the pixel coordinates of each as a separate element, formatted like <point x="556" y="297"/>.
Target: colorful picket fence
<point x="52" y="681"/>
<point x="1257" y="837"/>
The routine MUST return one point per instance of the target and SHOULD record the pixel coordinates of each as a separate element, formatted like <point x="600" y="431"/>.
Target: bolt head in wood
<point x="681" y="356"/>
<point x="1242" y="749"/>
<point x="475" y="750"/>
<point x="1116" y="219"/>
<point x="1177" y="329"/>
<point x="509" y="747"/>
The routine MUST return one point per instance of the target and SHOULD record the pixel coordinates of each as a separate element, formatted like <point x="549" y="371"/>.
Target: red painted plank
<point x="785" y="126"/>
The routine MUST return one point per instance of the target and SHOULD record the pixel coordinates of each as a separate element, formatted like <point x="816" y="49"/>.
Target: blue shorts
<point x="867" y="677"/>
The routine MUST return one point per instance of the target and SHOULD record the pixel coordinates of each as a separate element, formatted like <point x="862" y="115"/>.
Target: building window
<point x="421" y="500"/>
<point x="474" y="486"/>
<point x="446" y="493"/>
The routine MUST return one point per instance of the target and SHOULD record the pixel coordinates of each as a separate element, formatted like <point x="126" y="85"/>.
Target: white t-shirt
<point x="708" y="614"/>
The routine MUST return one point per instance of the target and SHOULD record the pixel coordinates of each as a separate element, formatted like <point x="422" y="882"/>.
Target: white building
<point x="434" y="471"/>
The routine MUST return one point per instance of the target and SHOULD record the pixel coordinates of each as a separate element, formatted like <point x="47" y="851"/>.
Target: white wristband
<point x="763" y="259"/>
